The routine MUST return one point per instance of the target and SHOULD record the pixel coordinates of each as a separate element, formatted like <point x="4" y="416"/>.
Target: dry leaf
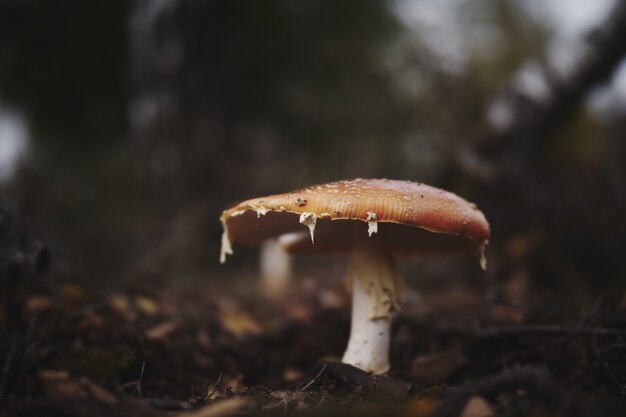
<point x="292" y="374"/>
<point x="119" y="303"/>
<point x="508" y="314"/>
<point x="90" y="321"/>
<point x="299" y="312"/>
<point x="240" y="323"/>
<point x="203" y="338"/>
<point x="74" y="294"/>
<point x="162" y="330"/>
<point x="39" y="303"/>
<point x="420" y="407"/>
<point x="477" y="407"/>
<point x="61" y="384"/>
<point x="146" y="305"/>
<point x="221" y="408"/>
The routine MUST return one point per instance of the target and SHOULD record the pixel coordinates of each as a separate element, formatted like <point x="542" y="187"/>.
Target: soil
<point x="154" y="349"/>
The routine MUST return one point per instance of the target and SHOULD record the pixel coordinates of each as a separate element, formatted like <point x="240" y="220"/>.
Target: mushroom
<point x="274" y="269"/>
<point x="372" y="220"/>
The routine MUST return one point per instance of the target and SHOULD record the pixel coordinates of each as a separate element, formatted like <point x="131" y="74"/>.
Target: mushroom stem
<point x="275" y="270"/>
<point x="376" y="287"/>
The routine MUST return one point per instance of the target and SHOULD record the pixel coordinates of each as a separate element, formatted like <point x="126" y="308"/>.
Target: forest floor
<point x="199" y="351"/>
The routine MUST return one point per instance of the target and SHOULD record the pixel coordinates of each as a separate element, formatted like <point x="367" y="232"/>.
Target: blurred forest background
<point x="127" y="126"/>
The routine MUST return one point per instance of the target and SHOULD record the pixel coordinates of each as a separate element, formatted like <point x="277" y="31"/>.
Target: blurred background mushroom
<point x="275" y="270"/>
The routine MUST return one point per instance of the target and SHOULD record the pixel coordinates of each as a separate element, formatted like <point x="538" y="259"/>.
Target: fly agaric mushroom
<point x="373" y="220"/>
<point x="274" y="269"/>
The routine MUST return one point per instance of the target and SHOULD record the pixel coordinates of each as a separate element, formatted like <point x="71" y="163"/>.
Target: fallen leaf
<point x="508" y="314"/>
<point x="91" y="321"/>
<point x="39" y="303"/>
<point x="516" y="288"/>
<point x="221" y="408"/>
<point x="119" y="303"/>
<point x="162" y="330"/>
<point x="517" y="247"/>
<point x="477" y="407"/>
<point x="292" y="374"/>
<point x="146" y="305"/>
<point x="240" y="323"/>
<point x="299" y="312"/>
<point x="203" y="338"/>
<point x="61" y="384"/>
<point x="420" y="407"/>
<point x="74" y="294"/>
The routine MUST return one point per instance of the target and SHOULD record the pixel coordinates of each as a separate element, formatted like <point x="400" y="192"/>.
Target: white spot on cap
<point x="309" y="220"/>
<point x="227" y="248"/>
<point x="372" y="224"/>
<point x="261" y="211"/>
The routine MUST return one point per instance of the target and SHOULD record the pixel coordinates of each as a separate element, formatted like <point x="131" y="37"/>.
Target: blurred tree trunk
<point x="565" y="212"/>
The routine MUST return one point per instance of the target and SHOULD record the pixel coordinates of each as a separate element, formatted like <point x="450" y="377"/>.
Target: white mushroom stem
<point x="275" y="270"/>
<point x="376" y="287"/>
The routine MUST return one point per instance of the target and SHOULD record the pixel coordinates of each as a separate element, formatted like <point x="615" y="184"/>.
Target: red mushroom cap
<point x="409" y="217"/>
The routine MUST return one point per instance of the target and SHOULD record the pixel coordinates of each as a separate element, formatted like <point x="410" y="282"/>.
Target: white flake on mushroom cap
<point x="309" y="220"/>
<point x="372" y="224"/>
<point x="226" y="248"/>
<point x="483" y="258"/>
<point x="261" y="211"/>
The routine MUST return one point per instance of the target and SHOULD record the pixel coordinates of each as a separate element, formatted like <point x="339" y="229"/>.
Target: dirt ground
<point x="157" y="348"/>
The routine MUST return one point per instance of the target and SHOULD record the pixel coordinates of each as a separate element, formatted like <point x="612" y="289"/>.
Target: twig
<point x="138" y="384"/>
<point x="135" y="384"/>
<point x="210" y="394"/>
<point x="315" y="378"/>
